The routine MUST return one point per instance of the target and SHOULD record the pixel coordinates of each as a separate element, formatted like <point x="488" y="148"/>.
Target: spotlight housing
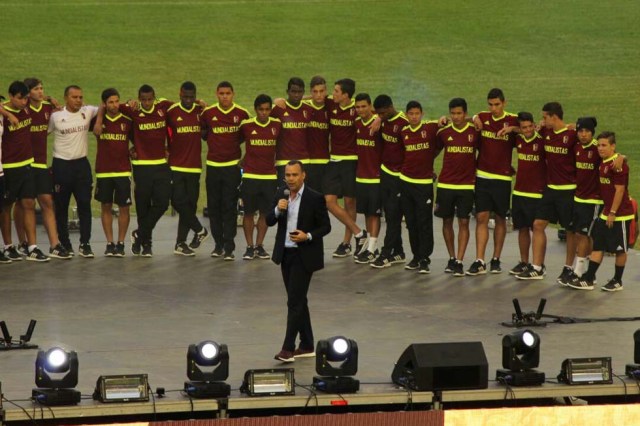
<point x="56" y="376"/>
<point x="207" y="384"/>
<point x="335" y="378"/>
<point x="520" y="355"/>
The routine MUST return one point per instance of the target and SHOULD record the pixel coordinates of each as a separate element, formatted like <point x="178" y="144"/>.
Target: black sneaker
<point x="12" y="253"/>
<point x="85" y="251"/>
<point x="249" y="254"/>
<point x="519" y="268"/>
<point x="198" y="238"/>
<point x="565" y="275"/>
<point x="146" y="250"/>
<point x="458" y="269"/>
<point x="119" y="251"/>
<point x="579" y="283"/>
<point x="451" y="264"/>
<point x="343" y="250"/>
<point x="23" y="249"/>
<point x="110" y="250"/>
<point x="423" y="267"/>
<point x="4" y="259"/>
<point x="36" y="255"/>
<point x="69" y="248"/>
<point x="381" y="262"/>
<point x="229" y="256"/>
<point x="183" y="249"/>
<point x="397" y="258"/>
<point x="531" y="274"/>
<point x="494" y="266"/>
<point x="136" y="247"/>
<point x="477" y="268"/>
<point x="217" y="252"/>
<point x="564" y="281"/>
<point x="59" y="252"/>
<point x="365" y="257"/>
<point x="413" y="265"/>
<point x="261" y="253"/>
<point x="360" y="241"/>
<point x="612" y="285"/>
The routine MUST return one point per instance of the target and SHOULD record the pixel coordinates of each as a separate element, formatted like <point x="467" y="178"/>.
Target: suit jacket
<point x="312" y="218"/>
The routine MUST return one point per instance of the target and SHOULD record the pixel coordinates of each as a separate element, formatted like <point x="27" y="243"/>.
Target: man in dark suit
<point x="302" y="218"/>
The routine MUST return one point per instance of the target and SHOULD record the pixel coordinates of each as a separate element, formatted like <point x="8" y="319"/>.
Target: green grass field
<point x="582" y="53"/>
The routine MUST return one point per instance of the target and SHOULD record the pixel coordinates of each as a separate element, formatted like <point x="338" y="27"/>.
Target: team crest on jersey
<point x="122" y="127"/>
<point x="286" y="114"/>
<point x="179" y="119"/>
<point x="423" y="134"/>
<point x="535" y="146"/>
<point x="84" y="117"/>
<point x="395" y="129"/>
<point x="160" y="113"/>
<point x="589" y="154"/>
<point x="46" y="116"/>
<point x="254" y="133"/>
<point x="236" y="119"/>
<point x="470" y="137"/>
<point x="565" y="140"/>
<point x="273" y="131"/>
<point x="304" y="114"/>
<point x="352" y="112"/>
<point x="449" y="139"/>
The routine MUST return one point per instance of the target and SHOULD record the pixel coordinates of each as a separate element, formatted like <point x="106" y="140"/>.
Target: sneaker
<point x="284" y="356"/>
<point x="612" y="285"/>
<point x="3" y="258"/>
<point x="360" y="242"/>
<point x="458" y="269"/>
<point x="519" y="268"/>
<point x="249" y="254"/>
<point x="36" y="255"/>
<point x="413" y="265"/>
<point x="59" y="252"/>
<point x="110" y="250"/>
<point x="564" y="282"/>
<point x="381" y="262"/>
<point x="494" y="266"/>
<point x="423" y="267"/>
<point x="198" y="238"/>
<point x="477" y="268"/>
<point x="261" y="253"/>
<point x="217" y="251"/>
<point x="343" y="250"/>
<point x="136" y="247"/>
<point x="531" y="274"/>
<point x="365" y="257"/>
<point x="23" y="249"/>
<point x="119" y="251"/>
<point x="229" y="256"/>
<point x="451" y="264"/>
<point x="398" y="258"/>
<point x="12" y="253"/>
<point x="85" y="250"/>
<point x="69" y="248"/>
<point x="146" y="250"/>
<point x="565" y="275"/>
<point x="580" y="283"/>
<point x="304" y="353"/>
<point x="183" y="249"/>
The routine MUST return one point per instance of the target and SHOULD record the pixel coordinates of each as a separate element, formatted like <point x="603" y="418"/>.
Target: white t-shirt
<point x="71" y="132"/>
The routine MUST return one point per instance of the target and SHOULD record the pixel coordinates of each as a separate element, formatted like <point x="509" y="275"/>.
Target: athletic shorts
<point x="453" y="202"/>
<point x="523" y="211"/>
<point x="584" y="216"/>
<point x="315" y="176"/>
<point x="340" y="178"/>
<point x="257" y="194"/>
<point x="611" y="240"/>
<point x="556" y="206"/>
<point x="43" y="180"/>
<point x="18" y="184"/>
<point x="493" y="195"/>
<point x="116" y="190"/>
<point x="368" y="201"/>
<point x="1" y="191"/>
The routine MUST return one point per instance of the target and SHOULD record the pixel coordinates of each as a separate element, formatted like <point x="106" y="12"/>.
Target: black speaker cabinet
<point x="442" y="366"/>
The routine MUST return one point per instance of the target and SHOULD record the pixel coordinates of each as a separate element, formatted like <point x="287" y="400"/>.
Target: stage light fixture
<point x="633" y="370"/>
<point x="520" y="355"/>
<point x="586" y="371"/>
<point x="122" y="388"/>
<point x="56" y="376"/>
<point x="269" y="382"/>
<point x="335" y="378"/>
<point x="207" y="384"/>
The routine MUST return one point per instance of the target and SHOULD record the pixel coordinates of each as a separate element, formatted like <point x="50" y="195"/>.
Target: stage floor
<point x="138" y="315"/>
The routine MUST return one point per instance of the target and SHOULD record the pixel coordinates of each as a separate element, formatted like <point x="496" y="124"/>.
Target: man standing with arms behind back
<point x="302" y="218"/>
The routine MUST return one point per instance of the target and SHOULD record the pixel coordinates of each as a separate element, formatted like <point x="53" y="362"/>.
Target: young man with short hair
<point x="317" y="134"/>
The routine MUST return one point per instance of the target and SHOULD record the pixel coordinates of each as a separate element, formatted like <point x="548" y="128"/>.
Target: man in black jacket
<point x="302" y="218"/>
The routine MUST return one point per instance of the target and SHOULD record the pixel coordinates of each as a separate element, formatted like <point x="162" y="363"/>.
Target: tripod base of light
<point x="336" y="384"/>
<point x="632" y="371"/>
<point x="54" y="397"/>
<point x="520" y="378"/>
<point x="207" y="389"/>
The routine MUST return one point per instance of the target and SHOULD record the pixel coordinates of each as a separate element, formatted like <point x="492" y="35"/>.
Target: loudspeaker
<point x="442" y="366"/>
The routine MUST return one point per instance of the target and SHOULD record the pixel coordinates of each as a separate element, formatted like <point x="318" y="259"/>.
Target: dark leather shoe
<point x="284" y="356"/>
<point x="304" y="353"/>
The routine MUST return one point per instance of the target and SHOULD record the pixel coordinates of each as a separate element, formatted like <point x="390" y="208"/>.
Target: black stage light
<point x="207" y="384"/>
<point x="269" y="382"/>
<point x="56" y="376"/>
<point x="122" y="388"/>
<point x="334" y="379"/>
<point x="633" y="370"/>
<point x="520" y="355"/>
<point x="586" y="371"/>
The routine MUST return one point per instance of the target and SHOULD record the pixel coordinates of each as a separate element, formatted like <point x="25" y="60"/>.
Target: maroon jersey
<point x="112" y="158"/>
<point x="393" y="148"/>
<point x="559" y="154"/>
<point x="494" y="152"/>
<point x="39" y="126"/>
<point x="342" y="130"/>
<point x="609" y="178"/>
<point x="420" y="149"/>
<point x="369" y="149"/>
<point x="149" y="132"/>
<point x="292" y="144"/>
<point x="260" y="144"/>
<point x="318" y="134"/>
<point x="459" y="162"/>
<point x="587" y="164"/>
<point x="531" y="177"/>
<point x="185" y="136"/>
<point x="16" y="140"/>
<point x="223" y="134"/>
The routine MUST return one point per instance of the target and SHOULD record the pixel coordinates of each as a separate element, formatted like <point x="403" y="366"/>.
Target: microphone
<point x="286" y="193"/>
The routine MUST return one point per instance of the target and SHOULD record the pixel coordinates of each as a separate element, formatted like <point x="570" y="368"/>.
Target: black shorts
<point x="1" y="191"/>
<point x="257" y="194"/>
<point x="340" y="178"/>
<point x="453" y="202"/>
<point x="116" y="190"/>
<point x="315" y="176"/>
<point x="611" y="240"/>
<point x="368" y="201"/>
<point x="493" y="195"/>
<point x="556" y="206"/>
<point x="43" y="180"/>
<point x="523" y="211"/>
<point x="584" y="217"/>
<point x="19" y="184"/>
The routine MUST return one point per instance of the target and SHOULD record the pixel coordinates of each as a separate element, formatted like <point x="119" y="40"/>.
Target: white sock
<point x="359" y="234"/>
<point x="32" y="247"/>
<point x="581" y="266"/>
<point x="373" y="242"/>
<point x="537" y="268"/>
